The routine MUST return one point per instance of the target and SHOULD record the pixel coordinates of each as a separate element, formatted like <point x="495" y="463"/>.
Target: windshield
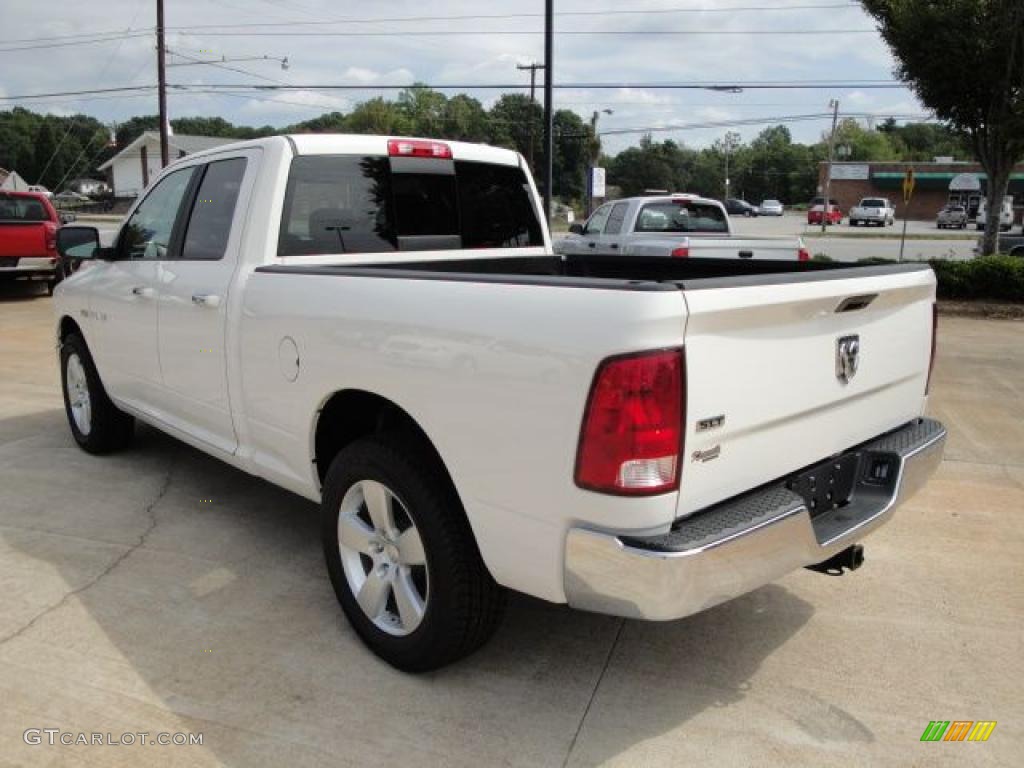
<point x="771" y="204"/>
<point x="872" y="202"/>
<point x="22" y="209"/>
<point x="681" y="216"/>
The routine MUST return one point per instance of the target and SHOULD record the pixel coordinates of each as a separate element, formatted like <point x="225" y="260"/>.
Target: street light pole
<point x="549" y="117"/>
<point x="161" y="76"/>
<point x="834" y="103"/>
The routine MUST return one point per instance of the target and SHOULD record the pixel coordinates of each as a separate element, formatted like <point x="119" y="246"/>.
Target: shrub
<point x="1000" y="278"/>
<point x="996" y="278"/>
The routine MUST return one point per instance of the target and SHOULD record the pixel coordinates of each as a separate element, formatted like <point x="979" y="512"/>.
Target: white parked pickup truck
<point x="677" y="226"/>
<point x="873" y="210"/>
<point x="380" y="326"/>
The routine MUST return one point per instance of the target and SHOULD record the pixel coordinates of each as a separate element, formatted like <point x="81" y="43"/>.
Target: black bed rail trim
<point x="830" y="273"/>
<point x="553" y="281"/>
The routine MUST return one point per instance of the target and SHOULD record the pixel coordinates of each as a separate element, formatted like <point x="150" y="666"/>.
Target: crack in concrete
<point x="149" y="511"/>
<point x="593" y="693"/>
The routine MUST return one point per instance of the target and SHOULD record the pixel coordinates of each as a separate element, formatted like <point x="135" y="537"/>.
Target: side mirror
<point x="576" y="228"/>
<point x="78" y="242"/>
<point x="67" y="218"/>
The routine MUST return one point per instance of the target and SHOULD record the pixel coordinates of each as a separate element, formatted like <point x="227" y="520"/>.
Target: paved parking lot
<point x="846" y="243"/>
<point x="160" y="591"/>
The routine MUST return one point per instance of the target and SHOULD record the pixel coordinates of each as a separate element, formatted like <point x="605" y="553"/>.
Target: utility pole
<point x="594" y="157"/>
<point x="549" y="116"/>
<point x="834" y="103"/>
<point x="161" y="75"/>
<point x="533" y="67"/>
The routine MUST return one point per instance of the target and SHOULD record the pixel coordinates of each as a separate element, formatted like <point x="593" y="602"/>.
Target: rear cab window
<point x="375" y="204"/>
<point x="681" y="216"/>
<point x="19" y="210"/>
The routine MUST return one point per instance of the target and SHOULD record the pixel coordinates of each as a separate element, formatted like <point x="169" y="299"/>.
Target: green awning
<point x="929" y="179"/>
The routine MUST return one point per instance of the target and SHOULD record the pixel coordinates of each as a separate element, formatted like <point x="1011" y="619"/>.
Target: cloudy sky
<point x="459" y="42"/>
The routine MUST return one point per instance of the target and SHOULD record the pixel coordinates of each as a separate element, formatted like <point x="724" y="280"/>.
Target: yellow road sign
<point x="908" y="185"/>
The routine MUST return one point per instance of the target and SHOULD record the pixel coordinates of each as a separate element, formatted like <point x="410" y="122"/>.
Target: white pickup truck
<point x="678" y="226"/>
<point x="873" y="210"/>
<point x="380" y="326"/>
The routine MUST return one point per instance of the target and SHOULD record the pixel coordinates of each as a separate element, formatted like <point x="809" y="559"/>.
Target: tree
<point x="863" y="144"/>
<point x="511" y="117"/>
<point x="379" y="116"/>
<point x="965" y="61"/>
<point x="464" y="119"/>
<point x="573" y="148"/>
<point x="423" y="108"/>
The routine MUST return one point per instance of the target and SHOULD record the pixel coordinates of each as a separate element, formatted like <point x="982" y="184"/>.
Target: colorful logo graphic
<point x="958" y="730"/>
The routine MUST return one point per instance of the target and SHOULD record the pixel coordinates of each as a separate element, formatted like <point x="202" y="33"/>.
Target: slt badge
<point x="847" y="357"/>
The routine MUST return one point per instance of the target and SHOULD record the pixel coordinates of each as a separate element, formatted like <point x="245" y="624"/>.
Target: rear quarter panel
<point x="496" y="375"/>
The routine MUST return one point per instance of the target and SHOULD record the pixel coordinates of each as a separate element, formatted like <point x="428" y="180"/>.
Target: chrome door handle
<point x="205" y="300"/>
<point x="143" y="291"/>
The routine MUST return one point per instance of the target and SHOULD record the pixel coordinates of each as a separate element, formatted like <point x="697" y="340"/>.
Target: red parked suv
<point x="815" y="208"/>
<point x="28" y="238"/>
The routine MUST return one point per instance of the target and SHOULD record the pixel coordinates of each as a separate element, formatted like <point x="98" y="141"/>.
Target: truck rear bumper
<point x="751" y="540"/>
<point x="15" y="267"/>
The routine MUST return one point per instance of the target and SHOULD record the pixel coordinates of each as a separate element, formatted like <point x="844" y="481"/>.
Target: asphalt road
<point x="158" y="590"/>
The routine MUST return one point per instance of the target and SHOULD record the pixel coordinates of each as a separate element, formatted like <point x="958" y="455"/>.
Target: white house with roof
<point x="131" y="169"/>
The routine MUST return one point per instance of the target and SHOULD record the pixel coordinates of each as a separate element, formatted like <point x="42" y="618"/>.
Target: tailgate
<point x="740" y="248"/>
<point x="22" y="238"/>
<point x="764" y="357"/>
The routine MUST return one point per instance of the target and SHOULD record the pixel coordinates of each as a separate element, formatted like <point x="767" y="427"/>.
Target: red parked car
<point x="28" y="238"/>
<point x="816" y="207"/>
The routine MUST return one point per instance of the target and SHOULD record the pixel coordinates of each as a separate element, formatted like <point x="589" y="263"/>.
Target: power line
<point x="76" y="42"/>
<point x="525" y="15"/>
<point x="754" y="121"/>
<point x="87" y="92"/>
<point x="451" y="17"/>
<point x="680" y="86"/>
<point x="696" y="86"/>
<point x="562" y="33"/>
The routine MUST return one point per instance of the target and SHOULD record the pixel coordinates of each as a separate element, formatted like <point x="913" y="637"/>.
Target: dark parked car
<point x="736" y="207"/>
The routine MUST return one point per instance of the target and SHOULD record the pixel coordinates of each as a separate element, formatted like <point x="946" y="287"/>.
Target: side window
<point x="148" y="231"/>
<point x="336" y="204"/>
<point x="597" y="220"/>
<point x="213" y="210"/>
<point x="615" y="219"/>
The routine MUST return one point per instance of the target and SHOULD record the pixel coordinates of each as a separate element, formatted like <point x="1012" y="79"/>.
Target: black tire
<point x="464" y="605"/>
<point x="110" y="428"/>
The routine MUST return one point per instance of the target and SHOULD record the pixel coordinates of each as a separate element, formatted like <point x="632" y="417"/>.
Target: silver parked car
<point x="770" y="208"/>
<point x="952" y="216"/>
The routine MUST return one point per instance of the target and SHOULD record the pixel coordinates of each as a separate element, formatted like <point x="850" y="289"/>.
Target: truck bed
<point x="639" y="273"/>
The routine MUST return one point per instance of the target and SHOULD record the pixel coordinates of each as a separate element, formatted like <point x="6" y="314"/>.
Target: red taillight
<point x="681" y="253"/>
<point x="51" y="238"/>
<point x="631" y="439"/>
<point x="803" y="254"/>
<point x="931" y="358"/>
<point x="419" y="148"/>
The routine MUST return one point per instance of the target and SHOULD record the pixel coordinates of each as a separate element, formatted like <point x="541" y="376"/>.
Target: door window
<point x="597" y="220"/>
<point x="615" y="219"/>
<point x="213" y="210"/>
<point x="148" y="232"/>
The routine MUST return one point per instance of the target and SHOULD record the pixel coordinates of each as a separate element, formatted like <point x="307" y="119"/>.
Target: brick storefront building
<point x="853" y="180"/>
